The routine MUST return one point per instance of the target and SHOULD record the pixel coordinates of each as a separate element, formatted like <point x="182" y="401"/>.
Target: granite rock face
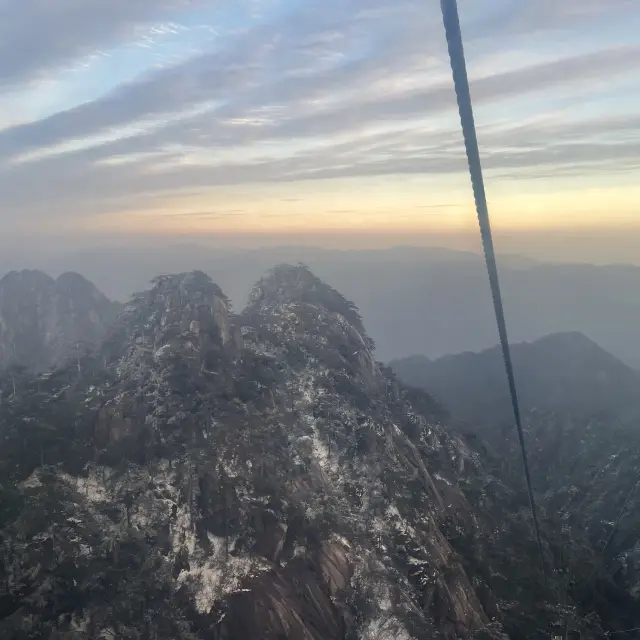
<point x="260" y="476"/>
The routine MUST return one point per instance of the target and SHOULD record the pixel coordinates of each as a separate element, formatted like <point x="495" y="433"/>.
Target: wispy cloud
<point x="288" y="91"/>
<point x="38" y="37"/>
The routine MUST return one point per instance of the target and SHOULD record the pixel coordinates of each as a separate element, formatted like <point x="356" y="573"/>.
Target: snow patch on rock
<point x="217" y="574"/>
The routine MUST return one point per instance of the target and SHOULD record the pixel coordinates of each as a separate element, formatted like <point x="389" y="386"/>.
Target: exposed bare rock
<point x="256" y="477"/>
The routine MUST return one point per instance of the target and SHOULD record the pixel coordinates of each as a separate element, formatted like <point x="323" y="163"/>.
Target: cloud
<point x="66" y="185"/>
<point x="208" y="215"/>
<point x="211" y="130"/>
<point x="37" y="36"/>
<point x="215" y="128"/>
<point x="238" y="77"/>
<point x="531" y="16"/>
<point x="338" y="89"/>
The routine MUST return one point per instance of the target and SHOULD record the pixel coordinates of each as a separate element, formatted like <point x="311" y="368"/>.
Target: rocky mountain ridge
<point x="43" y="321"/>
<point x="424" y="300"/>
<point x="212" y="475"/>
<point x="563" y="372"/>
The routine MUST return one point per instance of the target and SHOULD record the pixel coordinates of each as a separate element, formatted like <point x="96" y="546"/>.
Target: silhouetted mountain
<point x="414" y="300"/>
<point x="564" y="372"/>
<point x="43" y="321"/>
<point x="205" y="475"/>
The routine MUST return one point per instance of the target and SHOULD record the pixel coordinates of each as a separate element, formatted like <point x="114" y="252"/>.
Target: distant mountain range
<point x="414" y="300"/>
<point x="564" y="372"/>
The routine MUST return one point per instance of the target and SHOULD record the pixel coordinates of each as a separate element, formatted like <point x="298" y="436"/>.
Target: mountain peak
<point x="42" y="319"/>
<point x="192" y="283"/>
<point x="177" y="307"/>
<point x="72" y="277"/>
<point x="568" y="339"/>
<point x="296" y="284"/>
<point x="564" y="371"/>
<point x="26" y="278"/>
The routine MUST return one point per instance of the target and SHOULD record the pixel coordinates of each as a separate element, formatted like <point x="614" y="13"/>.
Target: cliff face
<point x="211" y="475"/>
<point x="44" y="321"/>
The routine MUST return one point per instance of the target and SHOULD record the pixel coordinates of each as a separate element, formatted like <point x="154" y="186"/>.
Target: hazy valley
<point x="431" y="302"/>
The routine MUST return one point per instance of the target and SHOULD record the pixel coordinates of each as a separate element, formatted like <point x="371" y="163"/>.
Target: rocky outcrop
<point x="255" y="476"/>
<point x="45" y="321"/>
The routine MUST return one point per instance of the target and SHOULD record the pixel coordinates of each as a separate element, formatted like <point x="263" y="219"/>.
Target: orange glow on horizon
<point x="404" y="206"/>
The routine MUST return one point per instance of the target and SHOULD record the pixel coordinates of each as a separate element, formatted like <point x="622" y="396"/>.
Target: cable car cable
<point x="458" y="67"/>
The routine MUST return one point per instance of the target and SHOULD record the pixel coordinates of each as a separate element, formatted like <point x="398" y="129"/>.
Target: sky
<point x="316" y="119"/>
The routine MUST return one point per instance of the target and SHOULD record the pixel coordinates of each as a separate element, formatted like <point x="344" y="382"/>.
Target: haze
<point x="155" y="136"/>
<point x="253" y="122"/>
